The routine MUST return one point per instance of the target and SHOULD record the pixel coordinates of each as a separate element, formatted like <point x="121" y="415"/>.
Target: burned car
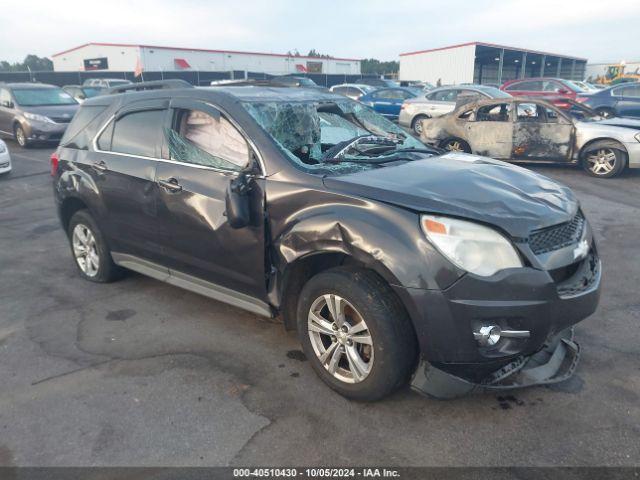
<point x="393" y="260"/>
<point x="533" y="130"/>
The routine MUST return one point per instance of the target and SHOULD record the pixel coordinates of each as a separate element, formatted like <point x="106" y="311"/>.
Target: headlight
<point x="38" y="118"/>
<point x="3" y="147"/>
<point x="637" y="136"/>
<point x="471" y="246"/>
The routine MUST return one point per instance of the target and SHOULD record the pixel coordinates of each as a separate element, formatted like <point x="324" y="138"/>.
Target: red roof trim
<point x="237" y="52"/>
<point x="494" y="45"/>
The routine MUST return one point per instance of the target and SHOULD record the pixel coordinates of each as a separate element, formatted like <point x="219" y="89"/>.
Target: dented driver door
<point x="203" y="152"/>
<point x="541" y="133"/>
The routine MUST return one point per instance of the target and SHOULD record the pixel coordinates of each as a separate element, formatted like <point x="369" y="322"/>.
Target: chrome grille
<point x="558" y="236"/>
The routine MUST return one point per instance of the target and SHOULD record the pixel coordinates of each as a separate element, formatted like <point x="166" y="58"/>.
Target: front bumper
<point x="554" y="363"/>
<point x="44" y="132"/>
<point x="633" y="150"/>
<point x="5" y="162"/>
<point x="542" y="302"/>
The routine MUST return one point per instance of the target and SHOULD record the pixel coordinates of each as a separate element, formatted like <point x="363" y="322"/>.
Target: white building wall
<point x="156" y="59"/>
<point x="120" y="58"/>
<point x="450" y="65"/>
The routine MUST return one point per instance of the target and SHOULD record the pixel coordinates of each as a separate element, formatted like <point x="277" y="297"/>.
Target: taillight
<point x="581" y="99"/>
<point x="54" y="164"/>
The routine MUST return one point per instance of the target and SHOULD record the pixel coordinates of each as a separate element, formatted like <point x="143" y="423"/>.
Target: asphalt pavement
<point x="142" y="373"/>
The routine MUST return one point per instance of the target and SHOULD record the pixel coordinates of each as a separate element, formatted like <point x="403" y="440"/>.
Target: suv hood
<point x="512" y="198"/>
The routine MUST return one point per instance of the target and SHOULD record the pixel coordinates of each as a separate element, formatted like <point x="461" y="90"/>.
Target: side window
<point x="530" y="86"/>
<point x="551" y="115"/>
<point x="5" y="97"/>
<point x="340" y="90"/>
<point x="618" y="92"/>
<point x="353" y="92"/>
<point x="138" y="133"/>
<point x="494" y="113"/>
<point x="202" y="139"/>
<point x="104" y="140"/>
<point x="628" y="91"/>
<point x="529" y="112"/>
<point x="445" y="96"/>
<point x="380" y="94"/>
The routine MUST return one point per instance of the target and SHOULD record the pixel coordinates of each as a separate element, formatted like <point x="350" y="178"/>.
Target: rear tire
<point x="604" y="159"/>
<point x="370" y="349"/>
<point x="456" y="145"/>
<point x="90" y="250"/>
<point x="416" y="124"/>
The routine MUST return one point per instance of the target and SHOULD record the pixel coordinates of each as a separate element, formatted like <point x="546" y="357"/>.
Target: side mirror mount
<point x="563" y="91"/>
<point x="7" y="104"/>
<point x="237" y="201"/>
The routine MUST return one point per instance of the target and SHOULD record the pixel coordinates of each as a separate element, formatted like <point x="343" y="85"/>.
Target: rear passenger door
<point x="204" y="151"/>
<point x="123" y="167"/>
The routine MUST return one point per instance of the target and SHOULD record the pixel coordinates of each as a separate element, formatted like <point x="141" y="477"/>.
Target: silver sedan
<point x="441" y="101"/>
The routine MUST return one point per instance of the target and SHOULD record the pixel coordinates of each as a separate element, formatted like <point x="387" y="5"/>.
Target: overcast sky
<point x="595" y="29"/>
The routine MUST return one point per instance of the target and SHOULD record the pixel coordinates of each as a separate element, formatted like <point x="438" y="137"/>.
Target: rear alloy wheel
<point x="604" y="162"/>
<point x="20" y="136"/>
<point x="356" y="333"/>
<point x="90" y="250"/>
<point x="456" y="145"/>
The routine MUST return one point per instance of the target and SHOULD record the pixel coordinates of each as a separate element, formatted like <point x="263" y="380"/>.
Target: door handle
<point x="171" y="185"/>
<point x="100" y="166"/>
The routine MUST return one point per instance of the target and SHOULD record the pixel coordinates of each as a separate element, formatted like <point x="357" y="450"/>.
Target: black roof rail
<point x="154" y="85"/>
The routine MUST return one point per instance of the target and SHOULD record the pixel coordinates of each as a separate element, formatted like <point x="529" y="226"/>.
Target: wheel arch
<point x="68" y="208"/>
<point x="606" y="141"/>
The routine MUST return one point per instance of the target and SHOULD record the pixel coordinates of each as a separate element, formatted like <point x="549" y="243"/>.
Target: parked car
<point x="379" y="82"/>
<point x="292" y="81"/>
<point x="5" y="158"/>
<point x="387" y="101"/>
<point x="34" y="112"/>
<point x="621" y="100"/>
<point x="586" y="87"/>
<point x="105" y="83"/>
<point x="352" y="90"/>
<point x="534" y="130"/>
<point x="441" y="101"/>
<point x="542" y="87"/>
<point x="387" y="256"/>
<point x="80" y="93"/>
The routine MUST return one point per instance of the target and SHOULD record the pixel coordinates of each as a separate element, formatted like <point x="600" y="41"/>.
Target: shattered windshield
<point x="334" y="137"/>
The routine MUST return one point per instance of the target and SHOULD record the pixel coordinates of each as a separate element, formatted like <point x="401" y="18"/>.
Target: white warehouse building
<point x="486" y="63"/>
<point x="125" y="57"/>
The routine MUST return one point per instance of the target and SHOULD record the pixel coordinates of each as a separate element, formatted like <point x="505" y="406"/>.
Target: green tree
<point x="32" y="62"/>
<point x="372" y="66"/>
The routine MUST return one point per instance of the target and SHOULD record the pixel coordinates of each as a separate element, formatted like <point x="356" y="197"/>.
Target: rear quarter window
<point x="79" y="132"/>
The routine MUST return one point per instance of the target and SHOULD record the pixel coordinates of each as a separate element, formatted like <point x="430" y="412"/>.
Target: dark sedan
<point x="617" y="101"/>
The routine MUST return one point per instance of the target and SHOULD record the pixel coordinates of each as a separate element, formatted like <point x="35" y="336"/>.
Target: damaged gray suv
<point x="396" y="263"/>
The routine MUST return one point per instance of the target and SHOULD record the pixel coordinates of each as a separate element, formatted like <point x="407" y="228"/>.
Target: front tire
<point x="90" y="251"/>
<point x="20" y="137"/>
<point x="355" y="333"/>
<point x="604" y="160"/>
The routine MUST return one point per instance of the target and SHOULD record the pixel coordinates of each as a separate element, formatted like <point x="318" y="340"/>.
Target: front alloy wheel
<point x="21" y="138"/>
<point x="602" y="162"/>
<point x="356" y="333"/>
<point x="85" y="250"/>
<point x="340" y="338"/>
